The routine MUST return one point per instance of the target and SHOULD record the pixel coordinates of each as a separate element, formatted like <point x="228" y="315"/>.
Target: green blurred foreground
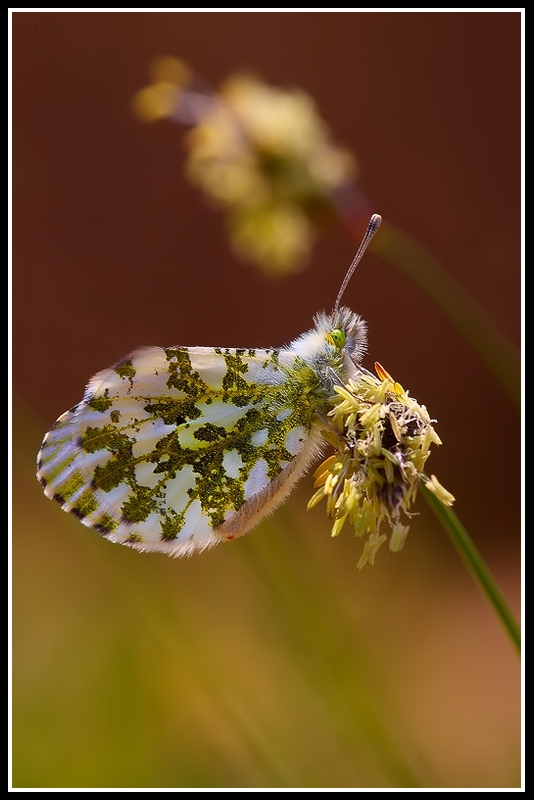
<point x="269" y="662"/>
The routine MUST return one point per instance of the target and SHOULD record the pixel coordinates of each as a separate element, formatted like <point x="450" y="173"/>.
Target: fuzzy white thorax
<point x="318" y="352"/>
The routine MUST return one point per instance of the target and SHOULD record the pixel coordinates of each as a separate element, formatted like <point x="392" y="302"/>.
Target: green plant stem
<point x="415" y="261"/>
<point x="474" y="561"/>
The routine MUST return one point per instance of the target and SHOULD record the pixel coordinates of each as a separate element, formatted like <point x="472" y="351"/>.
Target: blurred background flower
<point x="262" y="153"/>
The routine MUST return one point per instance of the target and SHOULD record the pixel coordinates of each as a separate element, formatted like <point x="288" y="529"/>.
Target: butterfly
<point x="175" y="449"/>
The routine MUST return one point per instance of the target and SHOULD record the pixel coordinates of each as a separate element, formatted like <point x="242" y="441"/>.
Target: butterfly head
<point x="334" y="347"/>
<point x="337" y="337"/>
<point x="343" y="333"/>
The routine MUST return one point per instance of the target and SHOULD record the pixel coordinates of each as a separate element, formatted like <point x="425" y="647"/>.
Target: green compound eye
<point x="337" y="337"/>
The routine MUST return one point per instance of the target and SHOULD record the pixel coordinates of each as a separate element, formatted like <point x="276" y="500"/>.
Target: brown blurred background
<point x="133" y="670"/>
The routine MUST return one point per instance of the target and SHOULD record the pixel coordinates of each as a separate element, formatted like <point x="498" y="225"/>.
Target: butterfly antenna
<point x="373" y="226"/>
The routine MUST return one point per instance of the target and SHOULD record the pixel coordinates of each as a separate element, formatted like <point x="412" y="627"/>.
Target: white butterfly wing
<point x="174" y="449"/>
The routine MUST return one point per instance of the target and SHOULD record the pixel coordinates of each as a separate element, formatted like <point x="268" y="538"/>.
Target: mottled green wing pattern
<point x="176" y="448"/>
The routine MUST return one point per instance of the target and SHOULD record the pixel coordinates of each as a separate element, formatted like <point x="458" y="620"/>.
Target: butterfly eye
<point x="337" y="337"/>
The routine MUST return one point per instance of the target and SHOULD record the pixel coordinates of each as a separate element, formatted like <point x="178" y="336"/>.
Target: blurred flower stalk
<point x="264" y="156"/>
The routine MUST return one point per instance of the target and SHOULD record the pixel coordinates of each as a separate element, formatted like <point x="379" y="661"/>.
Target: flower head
<point x="382" y="439"/>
